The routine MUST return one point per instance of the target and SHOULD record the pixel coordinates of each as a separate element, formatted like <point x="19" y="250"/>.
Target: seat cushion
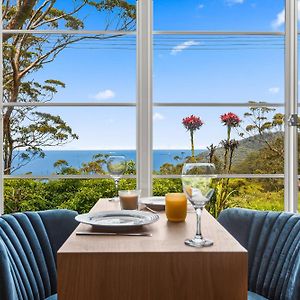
<point x="273" y="243"/>
<point x="28" y="246"/>
<point x="251" y="296"/>
<point x="52" y="297"/>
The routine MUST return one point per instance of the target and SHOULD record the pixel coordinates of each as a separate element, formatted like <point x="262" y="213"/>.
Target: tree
<point x="96" y="165"/>
<point x="261" y="123"/>
<point x="25" y="53"/>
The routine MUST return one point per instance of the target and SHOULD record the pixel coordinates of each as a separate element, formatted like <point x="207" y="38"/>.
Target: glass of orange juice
<point x="176" y="207"/>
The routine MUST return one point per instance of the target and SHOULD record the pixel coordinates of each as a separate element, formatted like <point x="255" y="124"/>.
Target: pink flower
<point x="192" y="123"/>
<point x="230" y="119"/>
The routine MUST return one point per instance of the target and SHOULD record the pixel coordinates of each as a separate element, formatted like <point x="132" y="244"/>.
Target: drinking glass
<point x="116" y="166"/>
<point x="196" y="181"/>
<point x="129" y="200"/>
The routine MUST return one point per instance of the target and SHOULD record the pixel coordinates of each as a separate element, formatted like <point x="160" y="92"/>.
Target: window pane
<point x="88" y="69"/>
<point x="70" y="15"/>
<point x="218" y="68"/>
<point x="230" y="15"/>
<point x="76" y="194"/>
<point x="255" y="146"/>
<point x="68" y="140"/>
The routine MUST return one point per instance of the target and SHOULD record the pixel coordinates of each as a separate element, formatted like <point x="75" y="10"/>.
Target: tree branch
<point x="37" y="24"/>
<point x="39" y="10"/>
<point x="6" y="9"/>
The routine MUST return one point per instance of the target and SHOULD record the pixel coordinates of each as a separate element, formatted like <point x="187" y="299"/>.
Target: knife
<point x="113" y="233"/>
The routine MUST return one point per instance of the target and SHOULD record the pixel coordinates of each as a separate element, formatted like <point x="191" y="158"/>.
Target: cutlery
<point x="150" y="209"/>
<point x="113" y="233"/>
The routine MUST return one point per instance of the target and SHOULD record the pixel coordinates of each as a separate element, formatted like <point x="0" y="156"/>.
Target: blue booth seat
<point x="273" y="242"/>
<point x="28" y="246"/>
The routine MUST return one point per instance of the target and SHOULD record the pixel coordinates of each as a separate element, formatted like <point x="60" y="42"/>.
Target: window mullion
<point x="144" y="96"/>
<point x="1" y="118"/>
<point x="291" y="90"/>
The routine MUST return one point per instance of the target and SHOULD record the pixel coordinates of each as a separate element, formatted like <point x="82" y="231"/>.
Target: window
<point x="69" y="84"/>
<point x="109" y="84"/>
<point x="210" y="59"/>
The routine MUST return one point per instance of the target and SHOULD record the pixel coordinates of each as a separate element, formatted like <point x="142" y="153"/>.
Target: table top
<point x="166" y="236"/>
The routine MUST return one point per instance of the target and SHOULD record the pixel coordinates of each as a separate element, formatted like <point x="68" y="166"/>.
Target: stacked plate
<point x="118" y="219"/>
<point x="155" y="203"/>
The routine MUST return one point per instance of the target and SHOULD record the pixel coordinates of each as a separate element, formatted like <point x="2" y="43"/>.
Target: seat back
<point x="273" y="243"/>
<point x="28" y="246"/>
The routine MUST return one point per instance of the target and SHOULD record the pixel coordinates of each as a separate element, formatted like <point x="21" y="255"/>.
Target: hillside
<point x="247" y="146"/>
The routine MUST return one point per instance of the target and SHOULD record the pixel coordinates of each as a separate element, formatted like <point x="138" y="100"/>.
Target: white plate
<point x="118" y="219"/>
<point x="156" y="203"/>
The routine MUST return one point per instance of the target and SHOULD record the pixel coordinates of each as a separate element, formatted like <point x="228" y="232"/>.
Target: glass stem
<point x="117" y="179"/>
<point x="198" y="215"/>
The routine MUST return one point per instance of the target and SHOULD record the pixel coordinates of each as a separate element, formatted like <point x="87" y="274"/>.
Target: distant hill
<point x="247" y="146"/>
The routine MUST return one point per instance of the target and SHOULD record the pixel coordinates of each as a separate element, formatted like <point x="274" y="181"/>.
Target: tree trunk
<point x="7" y="138"/>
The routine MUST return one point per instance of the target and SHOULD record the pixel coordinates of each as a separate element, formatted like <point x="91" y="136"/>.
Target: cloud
<point x="280" y="18"/>
<point x="279" y="21"/>
<point x="158" y="117"/>
<point x="233" y="2"/>
<point x="106" y="94"/>
<point x="200" y="6"/>
<point x="274" y="90"/>
<point x="183" y="46"/>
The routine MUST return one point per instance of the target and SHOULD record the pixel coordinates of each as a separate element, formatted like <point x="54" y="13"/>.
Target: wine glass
<point x="116" y="166"/>
<point x="196" y="181"/>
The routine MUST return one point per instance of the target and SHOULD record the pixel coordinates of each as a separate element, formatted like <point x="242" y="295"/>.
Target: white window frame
<point x="144" y="103"/>
<point x="291" y="107"/>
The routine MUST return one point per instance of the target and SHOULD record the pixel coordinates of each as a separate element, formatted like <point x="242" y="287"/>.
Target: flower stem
<point x="226" y="148"/>
<point x="192" y="144"/>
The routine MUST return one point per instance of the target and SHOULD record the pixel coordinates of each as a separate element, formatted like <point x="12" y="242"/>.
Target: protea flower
<point x="230" y="120"/>
<point x="192" y="124"/>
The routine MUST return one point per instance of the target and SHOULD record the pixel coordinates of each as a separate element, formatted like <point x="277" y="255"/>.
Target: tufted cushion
<point x="53" y="297"/>
<point x="28" y="246"/>
<point x="273" y="242"/>
<point x="253" y="296"/>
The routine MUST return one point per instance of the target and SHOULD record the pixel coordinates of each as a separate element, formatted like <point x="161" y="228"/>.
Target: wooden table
<point x="153" y="268"/>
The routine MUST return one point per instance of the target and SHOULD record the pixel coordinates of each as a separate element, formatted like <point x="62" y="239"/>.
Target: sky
<point x="186" y="69"/>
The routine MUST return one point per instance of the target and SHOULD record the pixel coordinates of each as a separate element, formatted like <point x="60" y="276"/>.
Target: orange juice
<point x="176" y="207"/>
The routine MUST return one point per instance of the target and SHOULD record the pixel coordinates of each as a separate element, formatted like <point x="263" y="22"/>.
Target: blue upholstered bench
<point x="28" y="246"/>
<point x="273" y="243"/>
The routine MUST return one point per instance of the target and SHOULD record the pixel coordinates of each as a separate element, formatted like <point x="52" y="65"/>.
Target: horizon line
<point x="118" y="149"/>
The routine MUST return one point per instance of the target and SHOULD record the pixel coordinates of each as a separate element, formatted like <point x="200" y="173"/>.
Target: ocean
<point x="75" y="158"/>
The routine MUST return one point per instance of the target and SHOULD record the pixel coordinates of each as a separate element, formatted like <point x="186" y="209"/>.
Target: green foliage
<point x="258" y="194"/>
<point x="168" y="168"/>
<point x="222" y="197"/>
<point x="164" y="186"/>
<point x="80" y="195"/>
